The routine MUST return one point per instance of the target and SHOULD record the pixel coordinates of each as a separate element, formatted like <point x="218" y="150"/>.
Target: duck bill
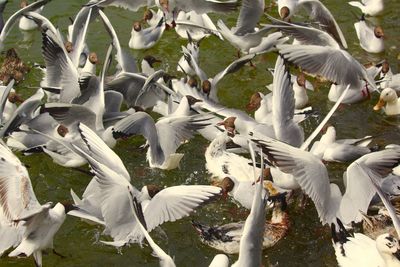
<point x="379" y="105"/>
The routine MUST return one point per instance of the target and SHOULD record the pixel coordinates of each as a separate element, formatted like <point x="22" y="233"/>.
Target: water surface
<point x="307" y="244"/>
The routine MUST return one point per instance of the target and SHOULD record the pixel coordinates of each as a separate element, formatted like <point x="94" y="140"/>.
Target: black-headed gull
<point x="145" y="38"/>
<point x="371" y="37"/>
<point x="14" y="18"/>
<point x="312" y="176"/>
<point x="131" y="5"/>
<point x="342" y="150"/>
<point x="117" y="194"/>
<point x="26" y="24"/>
<point x="27" y="225"/>
<point x="317" y="11"/>
<point x="283" y="105"/>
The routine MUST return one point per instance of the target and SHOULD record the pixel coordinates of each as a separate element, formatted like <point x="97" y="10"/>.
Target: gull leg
<point x="58" y="254"/>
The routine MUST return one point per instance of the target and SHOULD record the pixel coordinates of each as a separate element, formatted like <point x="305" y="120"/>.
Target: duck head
<point x="387" y="95"/>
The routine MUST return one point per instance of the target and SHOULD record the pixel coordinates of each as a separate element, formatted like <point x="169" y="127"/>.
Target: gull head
<point x="136" y="26"/>
<point x="93" y="58"/>
<point x="255" y="102"/>
<point x="206" y="87"/>
<point x="62" y="130"/>
<point x="69" y="46"/>
<point x="147" y="15"/>
<point x="378" y="31"/>
<point x="229" y="125"/>
<point x="192" y="82"/>
<point x="284" y="13"/>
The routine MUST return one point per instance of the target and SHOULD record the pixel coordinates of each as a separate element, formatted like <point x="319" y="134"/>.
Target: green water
<point x="307" y="244"/>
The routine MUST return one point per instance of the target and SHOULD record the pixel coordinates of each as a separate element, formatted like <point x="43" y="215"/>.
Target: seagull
<point x="342" y="150"/>
<point x="3" y="4"/>
<point x="197" y="26"/>
<point x="369" y="7"/>
<point x="245" y="36"/>
<point x="312" y="176"/>
<point x="250" y="252"/>
<point x="13" y="19"/>
<point x="389" y="78"/>
<point x="283" y="105"/>
<point x="126" y="4"/>
<point x="199" y="6"/>
<point x="28" y="225"/>
<point x="360" y="250"/>
<point x="318" y="50"/>
<point x="145" y="38"/>
<point x="192" y="49"/>
<point x="371" y="37"/>
<point x="25" y="112"/>
<point x="163" y="137"/>
<point x="209" y="85"/>
<point x="26" y="24"/>
<point x="8" y="98"/>
<point x="151" y="17"/>
<point x="318" y="12"/>
<point x="117" y="194"/>
<point x="128" y="81"/>
<point x="220" y="260"/>
<point x="165" y="259"/>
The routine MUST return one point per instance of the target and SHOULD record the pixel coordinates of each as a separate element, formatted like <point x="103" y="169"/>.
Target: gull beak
<point x="380" y="104"/>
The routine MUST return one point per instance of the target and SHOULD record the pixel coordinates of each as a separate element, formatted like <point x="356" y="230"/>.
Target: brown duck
<point x="13" y="67"/>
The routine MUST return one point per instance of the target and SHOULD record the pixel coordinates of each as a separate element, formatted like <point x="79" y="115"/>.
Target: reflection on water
<point x="307" y="244"/>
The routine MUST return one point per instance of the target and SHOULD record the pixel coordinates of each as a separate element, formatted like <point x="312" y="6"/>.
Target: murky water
<point x="307" y="244"/>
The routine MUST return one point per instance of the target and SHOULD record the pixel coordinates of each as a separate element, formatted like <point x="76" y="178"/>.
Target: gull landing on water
<point x="25" y="224"/>
<point x="117" y="194"/>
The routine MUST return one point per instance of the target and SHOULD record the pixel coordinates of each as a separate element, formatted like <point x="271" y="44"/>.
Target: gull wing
<point x="334" y="64"/>
<point x="320" y="13"/>
<point x="309" y="172"/>
<point x="283" y="102"/>
<point x="16" y="193"/>
<point x="359" y="190"/>
<point x="176" y="202"/>
<point x="249" y="15"/>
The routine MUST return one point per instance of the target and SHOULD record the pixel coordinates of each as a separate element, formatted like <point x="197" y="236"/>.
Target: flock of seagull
<point x="77" y="116"/>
